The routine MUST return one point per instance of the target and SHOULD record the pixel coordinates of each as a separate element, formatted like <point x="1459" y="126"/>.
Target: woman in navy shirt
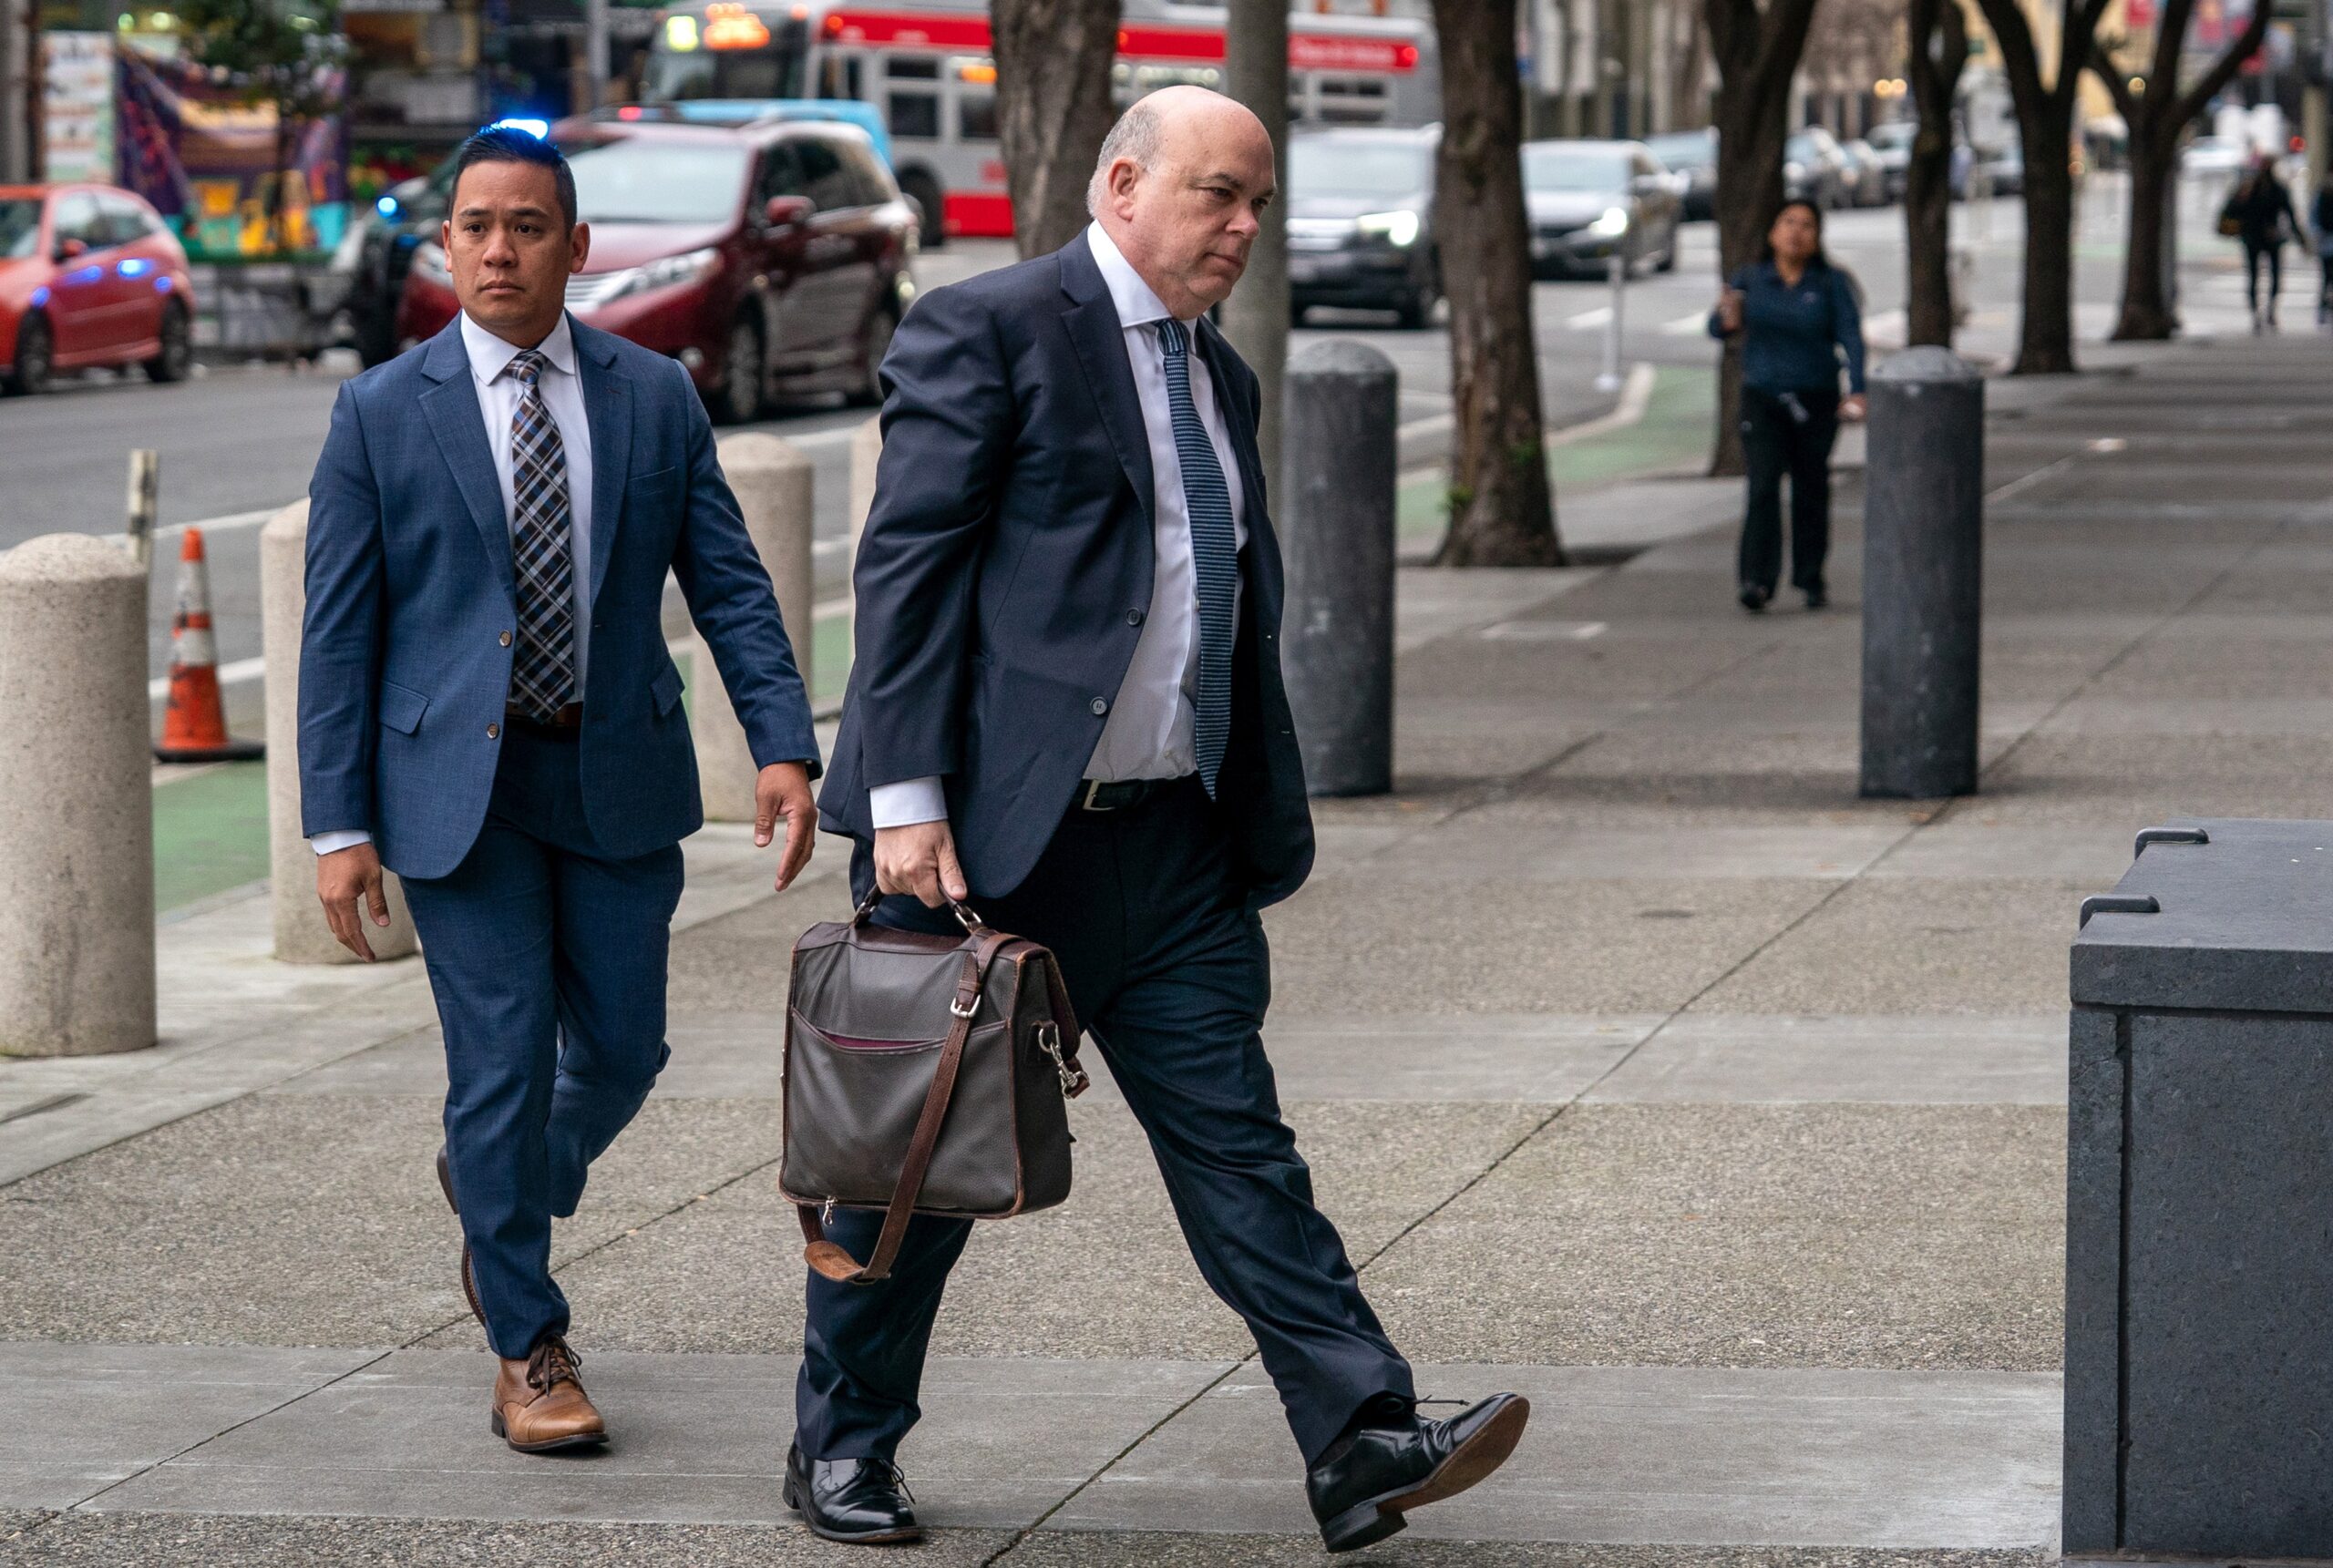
<point x="1797" y="319"/>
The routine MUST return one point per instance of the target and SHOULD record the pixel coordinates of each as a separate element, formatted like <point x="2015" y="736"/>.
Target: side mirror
<point x="68" y="250"/>
<point x="784" y="211"/>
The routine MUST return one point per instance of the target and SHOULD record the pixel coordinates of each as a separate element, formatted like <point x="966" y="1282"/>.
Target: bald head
<point x="1180" y="186"/>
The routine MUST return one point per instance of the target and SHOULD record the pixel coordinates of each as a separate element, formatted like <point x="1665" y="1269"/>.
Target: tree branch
<point x="1782" y="44"/>
<point x="2118" y="88"/>
<point x="2223" y="69"/>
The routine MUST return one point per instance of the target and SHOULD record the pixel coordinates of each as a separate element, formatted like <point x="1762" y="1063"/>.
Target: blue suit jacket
<point x="1006" y="567"/>
<point x="402" y="661"/>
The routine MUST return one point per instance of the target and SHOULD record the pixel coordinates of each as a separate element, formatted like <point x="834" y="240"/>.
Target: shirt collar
<point x="491" y="354"/>
<point x="1138" y="304"/>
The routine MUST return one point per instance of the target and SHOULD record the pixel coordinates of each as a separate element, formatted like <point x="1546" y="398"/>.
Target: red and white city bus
<point x="927" y="68"/>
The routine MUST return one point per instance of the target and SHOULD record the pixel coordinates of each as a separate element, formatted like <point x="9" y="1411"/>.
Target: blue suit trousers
<point x="548" y="961"/>
<point x="1168" y="971"/>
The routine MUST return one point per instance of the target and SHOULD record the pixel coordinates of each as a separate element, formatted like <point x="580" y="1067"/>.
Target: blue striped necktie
<point x="1215" y="555"/>
<point x="542" y="671"/>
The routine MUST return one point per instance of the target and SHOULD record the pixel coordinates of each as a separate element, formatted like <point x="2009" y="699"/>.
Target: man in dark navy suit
<point x="1067" y="707"/>
<point x="487" y="708"/>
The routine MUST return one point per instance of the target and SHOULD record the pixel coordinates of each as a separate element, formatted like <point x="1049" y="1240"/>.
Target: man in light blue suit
<point x="488" y="709"/>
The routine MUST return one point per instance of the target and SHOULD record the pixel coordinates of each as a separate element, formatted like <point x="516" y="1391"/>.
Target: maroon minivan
<point x="772" y="259"/>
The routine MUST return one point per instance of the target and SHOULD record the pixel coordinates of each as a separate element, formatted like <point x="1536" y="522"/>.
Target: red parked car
<point x="89" y="275"/>
<point x="771" y="258"/>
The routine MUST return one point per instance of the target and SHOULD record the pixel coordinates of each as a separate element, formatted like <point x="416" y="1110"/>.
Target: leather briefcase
<point x="923" y="1075"/>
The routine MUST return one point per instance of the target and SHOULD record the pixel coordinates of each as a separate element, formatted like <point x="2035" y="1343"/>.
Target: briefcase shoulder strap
<point x="830" y="1258"/>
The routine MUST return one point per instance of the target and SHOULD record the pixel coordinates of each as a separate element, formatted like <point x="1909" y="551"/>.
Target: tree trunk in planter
<point x="1501" y="511"/>
<point x="1757" y="52"/>
<point x="2155" y="118"/>
<point x="1938" y="33"/>
<point x="1053" y="110"/>
<point x="2045" y="125"/>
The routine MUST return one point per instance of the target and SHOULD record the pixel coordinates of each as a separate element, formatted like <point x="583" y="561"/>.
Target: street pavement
<point x="1644" y="1067"/>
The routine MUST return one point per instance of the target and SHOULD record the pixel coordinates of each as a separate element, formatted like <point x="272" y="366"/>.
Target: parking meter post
<point x="771" y="479"/>
<point x="1923" y="576"/>
<point x="1334" y="510"/>
<point x="77" y="800"/>
<point x="145" y="501"/>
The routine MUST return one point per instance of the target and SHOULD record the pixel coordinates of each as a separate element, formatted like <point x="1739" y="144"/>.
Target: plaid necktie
<point x="543" y="671"/>
<point x="1215" y="555"/>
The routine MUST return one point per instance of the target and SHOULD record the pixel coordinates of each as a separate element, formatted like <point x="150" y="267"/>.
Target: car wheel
<point x="924" y="191"/>
<point x="737" y="396"/>
<point x="34" y="349"/>
<point x="875" y="342"/>
<point x="1417" y="309"/>
<point x="176" y="355"/>
<point x="1668" y="262"/>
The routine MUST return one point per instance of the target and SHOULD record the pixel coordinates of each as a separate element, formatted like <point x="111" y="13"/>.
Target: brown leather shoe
<point x="539" y="1405"/>
<point x="470" y="1280"/>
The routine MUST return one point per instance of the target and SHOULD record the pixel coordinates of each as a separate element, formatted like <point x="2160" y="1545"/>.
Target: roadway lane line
<point x="1589" y="320"/>
<point x="1636" y="396"/>
<point x="1686" y="326"/>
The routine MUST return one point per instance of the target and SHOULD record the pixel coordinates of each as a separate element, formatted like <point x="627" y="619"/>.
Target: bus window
<point x="975" y="114"/>
<point x="774" y="70"/>
<point x="1352" y="100"/>
<point x="838" y="76"/>
<point x="914" y="114"/>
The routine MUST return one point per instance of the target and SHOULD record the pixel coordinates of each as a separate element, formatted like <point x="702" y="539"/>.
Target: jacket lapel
<point x="1100" y="338"/>
<point x="454" y="416"/>
<point x="607" y="404"/>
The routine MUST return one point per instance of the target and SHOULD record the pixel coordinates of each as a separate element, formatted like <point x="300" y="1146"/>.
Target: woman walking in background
<point x="2260" y="215"/>
<point x="2321" y="217"/>
<point x="1797" y="317"/>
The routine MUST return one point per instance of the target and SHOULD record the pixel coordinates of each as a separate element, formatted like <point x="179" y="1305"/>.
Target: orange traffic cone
<point x="194" y="730"/>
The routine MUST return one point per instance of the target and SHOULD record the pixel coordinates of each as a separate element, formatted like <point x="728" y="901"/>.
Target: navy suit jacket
<point x="404" y="666"/>
<point x="1006" y="567"/>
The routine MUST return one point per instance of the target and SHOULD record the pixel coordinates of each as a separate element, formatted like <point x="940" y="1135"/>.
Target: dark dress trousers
<point x="1002" y="584"/>
<point x="542" y="870"/>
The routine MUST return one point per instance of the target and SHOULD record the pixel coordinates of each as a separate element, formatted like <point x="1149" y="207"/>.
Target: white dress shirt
<point x="498" y="403"/>
<point x="1148" y="734"/>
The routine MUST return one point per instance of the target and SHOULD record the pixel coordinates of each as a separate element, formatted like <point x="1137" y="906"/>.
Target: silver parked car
<point x="1588" y="200"/>
<point x="1361" y="222"/>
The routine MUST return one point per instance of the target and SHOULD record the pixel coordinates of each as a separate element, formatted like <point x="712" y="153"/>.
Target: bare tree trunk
<point x="1937" y="33"/>
<point x="2146" y="315"/>
<point x="1757" y="53"/>
<point x="1256" y="316"/>
<point x="1053" y="110"/>
<point x="1502" y="512"/>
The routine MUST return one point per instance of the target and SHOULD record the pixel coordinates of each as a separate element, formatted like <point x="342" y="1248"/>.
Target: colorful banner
<point x="76" y="106"/>
<point x="204" y="158"/>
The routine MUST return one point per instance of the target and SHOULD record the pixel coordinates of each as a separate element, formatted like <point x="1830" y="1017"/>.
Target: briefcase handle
<point x="966" y="916"/>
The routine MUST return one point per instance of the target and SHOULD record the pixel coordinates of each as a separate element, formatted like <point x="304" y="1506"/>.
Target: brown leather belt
<point x="565" y="725"/>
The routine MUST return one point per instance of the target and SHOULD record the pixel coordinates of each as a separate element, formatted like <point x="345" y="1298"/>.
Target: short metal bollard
<point x="77" y="800"/>
<point x="773" y="483"/>
<point x="2199" y="1346"/>
<point x="1923" y="576"/>
<point x="1335" y="516"/>
<point x="301" y="934"/>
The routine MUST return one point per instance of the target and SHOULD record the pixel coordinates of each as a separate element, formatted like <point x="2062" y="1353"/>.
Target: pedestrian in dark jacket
<point x="1798" y="321"/>
<point x="2322" y="218"/>
<point x="2261" y="214"/>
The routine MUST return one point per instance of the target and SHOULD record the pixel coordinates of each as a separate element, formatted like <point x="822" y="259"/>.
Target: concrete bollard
<point x="1335" y="515"/>
<point x="301" y="934"/>
<point x="772" y="480"/>
<point x="77" y="800"/>
<point x="1923" y="576"/>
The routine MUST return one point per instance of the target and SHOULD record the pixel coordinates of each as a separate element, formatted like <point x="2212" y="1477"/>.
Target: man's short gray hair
<point x="1136" y="136"/>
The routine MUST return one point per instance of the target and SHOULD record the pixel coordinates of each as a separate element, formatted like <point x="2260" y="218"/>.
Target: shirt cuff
<point x="339" y="838"/>
<point x="909" y="802"/>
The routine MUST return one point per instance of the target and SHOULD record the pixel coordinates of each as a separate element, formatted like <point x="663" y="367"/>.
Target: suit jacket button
<point x="1100" y="706"/>
<point x="506" y="640"/>
<point x="1133" y="618"/>
<point x="494" y="732"/>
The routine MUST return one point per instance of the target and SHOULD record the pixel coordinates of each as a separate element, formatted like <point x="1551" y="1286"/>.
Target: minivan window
<point x="1551" y="166"/>
<point x="642" y="181"/>
<point x="1320" y="166"/>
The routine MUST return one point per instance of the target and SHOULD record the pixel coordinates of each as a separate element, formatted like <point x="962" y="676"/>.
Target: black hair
<point x="1766" y="241"/>
<point x="509" y="144"/>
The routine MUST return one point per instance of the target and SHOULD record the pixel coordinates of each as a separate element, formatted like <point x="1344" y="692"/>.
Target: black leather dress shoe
<point x="862" y="1501"/>
<point x="470" y="1280"/>
<point x="1370" y="1478"/>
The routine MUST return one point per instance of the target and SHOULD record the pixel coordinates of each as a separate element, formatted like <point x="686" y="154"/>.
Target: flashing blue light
<point x="133" y="267"/>
<point x="40" y="295"/>
<point x="162" y="283"/>
<point x="386" y="206"/>
<point x="537" y="128"/>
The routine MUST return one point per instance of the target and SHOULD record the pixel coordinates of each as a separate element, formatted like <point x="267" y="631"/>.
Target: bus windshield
<point x="773" y="71"/>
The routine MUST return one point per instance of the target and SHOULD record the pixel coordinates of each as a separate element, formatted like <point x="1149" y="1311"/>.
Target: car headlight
<point x="1612" y="225"/>
<point x="662" y="272"/>
<point x="1394" y="228"/>
<point x="429" y="262"/>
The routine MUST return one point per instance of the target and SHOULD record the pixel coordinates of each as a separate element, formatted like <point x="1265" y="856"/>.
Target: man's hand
<point x="1851" y="407"/>
<point x="343" y="879"/>
<point x="919" y="858"/>
<point x="1729" y="310"/>
<point x="783" y="789"/>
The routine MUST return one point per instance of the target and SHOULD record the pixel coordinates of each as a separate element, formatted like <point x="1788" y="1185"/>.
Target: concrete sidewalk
<point x="1643" y="1066"/>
